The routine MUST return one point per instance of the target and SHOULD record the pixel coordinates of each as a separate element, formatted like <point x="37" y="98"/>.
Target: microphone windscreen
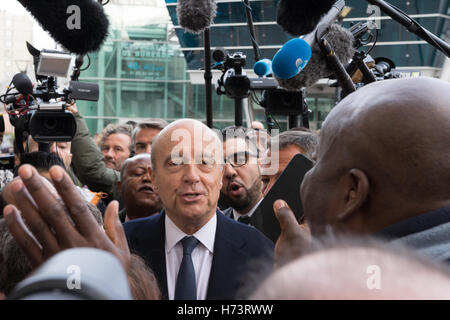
<point x="300" y="17"/>
<point x="263" y="67"/>
<point x="2" y="124"/>
<point x="196" y="15"/>
<point x="23" y="83"/>
<point x="220" y="54"/>
<point x="291" y="58"/>
<point x="60" y="17"/>
<point x="341" y="40"/>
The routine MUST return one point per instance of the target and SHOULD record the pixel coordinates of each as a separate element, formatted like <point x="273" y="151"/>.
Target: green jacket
<point x="88" y="164"/>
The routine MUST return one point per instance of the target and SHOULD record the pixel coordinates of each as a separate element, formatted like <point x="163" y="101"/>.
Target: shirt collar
<point x="206" y="235"/>
<point x="237" y="215"/>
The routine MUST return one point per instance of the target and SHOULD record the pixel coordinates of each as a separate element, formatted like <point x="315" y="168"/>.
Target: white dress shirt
<point x="202" y="255"/>
<point x="237" y="215"/>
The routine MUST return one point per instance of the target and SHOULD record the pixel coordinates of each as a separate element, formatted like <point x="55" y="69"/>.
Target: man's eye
<point x="208" y="161"/>
<point x="176" y="162"/>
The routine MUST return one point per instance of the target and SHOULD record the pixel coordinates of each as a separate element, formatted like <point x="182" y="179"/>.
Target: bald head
<point x="397" y="131"/>
<point x="383" y="156"/>
<point x="357" y="272"/>
<point x="185" y="131"/>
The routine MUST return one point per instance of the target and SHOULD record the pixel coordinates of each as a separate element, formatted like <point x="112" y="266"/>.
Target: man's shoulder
<point x="247" y="234"/>
<point x="227" y="212"/>
<point x="142" y="225"/>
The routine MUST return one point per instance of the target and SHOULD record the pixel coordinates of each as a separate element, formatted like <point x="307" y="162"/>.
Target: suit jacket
<point x="427" y="233"/>
<point x="256" y="220"/>
<point x="236" y="246"/>
<point x="228" y="212"/>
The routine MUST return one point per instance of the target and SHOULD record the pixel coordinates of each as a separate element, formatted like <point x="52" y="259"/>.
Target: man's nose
<point x="146" y="176"/>
<point x="229" y="171"/>
<point x="191" y="174"/>
<point x="109" y="153"/>
<point x="148" y="148"/>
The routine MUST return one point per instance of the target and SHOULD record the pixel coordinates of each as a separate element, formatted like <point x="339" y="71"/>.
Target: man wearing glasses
<point x="242" y="184"/>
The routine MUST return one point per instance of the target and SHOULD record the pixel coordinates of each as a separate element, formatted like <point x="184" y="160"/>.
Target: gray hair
<point x="116" y="129"/>
<point x="306" y="141"/>
<point x="152" y="123"/>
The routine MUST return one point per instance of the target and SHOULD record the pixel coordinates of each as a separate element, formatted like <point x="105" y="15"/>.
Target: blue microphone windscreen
<point x="291" y="58"/>
<point x="263" y="67"/>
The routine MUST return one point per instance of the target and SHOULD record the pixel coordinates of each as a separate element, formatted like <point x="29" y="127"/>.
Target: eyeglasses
<point x="239" y="159"/>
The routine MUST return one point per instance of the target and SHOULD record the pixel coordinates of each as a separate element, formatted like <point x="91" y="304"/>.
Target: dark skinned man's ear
<point x="357" y="191"/>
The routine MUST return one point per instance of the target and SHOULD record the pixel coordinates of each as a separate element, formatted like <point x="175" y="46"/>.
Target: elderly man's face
<point x="188" y="173"/>
<point x="137" y="188"/>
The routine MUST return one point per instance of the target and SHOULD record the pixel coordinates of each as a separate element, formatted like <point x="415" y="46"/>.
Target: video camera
<point x="40" y="110"/>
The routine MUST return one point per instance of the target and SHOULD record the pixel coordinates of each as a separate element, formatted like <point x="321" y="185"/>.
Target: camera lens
<point x="50" y="124"/>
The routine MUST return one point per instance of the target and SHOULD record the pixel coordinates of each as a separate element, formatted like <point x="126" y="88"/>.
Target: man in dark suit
<point x="194" y="251"/>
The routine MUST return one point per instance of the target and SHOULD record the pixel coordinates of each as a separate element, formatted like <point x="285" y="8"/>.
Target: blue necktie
<point x="186" y="287"/>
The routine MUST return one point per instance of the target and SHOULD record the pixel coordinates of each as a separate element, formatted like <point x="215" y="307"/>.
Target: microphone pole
<point x="412" y="26"/>
<point x="208" y="77"/>
<point x="334" y="63"/>
<point x="251" y="26"/>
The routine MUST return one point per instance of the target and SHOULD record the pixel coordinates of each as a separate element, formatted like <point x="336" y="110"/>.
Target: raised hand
<point x="40" y="223"/>
<point x="294" y="239"/>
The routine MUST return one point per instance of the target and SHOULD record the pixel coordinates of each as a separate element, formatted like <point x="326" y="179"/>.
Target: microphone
<point x="263" y="67"/>
<point x="340" y="39"/>
<point x="291" y="59"/>
<point x="23" y="83"/>
<point x="196" y="15"/>
<point x="79" y="26"/>
<point x="300" y="17"/>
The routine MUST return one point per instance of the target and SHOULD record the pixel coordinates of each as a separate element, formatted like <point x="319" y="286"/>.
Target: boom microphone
<point x="340" y="39"/>
<point x="299" y="17"/>
<point x="196" y="15"/>
<point x="60" y="19"/>
<point x="22" y="83"/>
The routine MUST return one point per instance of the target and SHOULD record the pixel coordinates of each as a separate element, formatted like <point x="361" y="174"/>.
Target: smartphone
<point x="287" y="188"/>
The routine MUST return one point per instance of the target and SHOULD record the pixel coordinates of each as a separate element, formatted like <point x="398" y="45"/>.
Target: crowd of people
<point x="174" y="203"/>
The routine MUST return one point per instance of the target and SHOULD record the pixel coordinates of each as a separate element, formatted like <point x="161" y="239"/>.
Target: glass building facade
<point x="149" y="66"/>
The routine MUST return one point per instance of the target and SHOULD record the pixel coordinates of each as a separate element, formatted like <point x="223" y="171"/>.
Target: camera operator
<point x="62" y="148"/>
<point x="87" y="160"/>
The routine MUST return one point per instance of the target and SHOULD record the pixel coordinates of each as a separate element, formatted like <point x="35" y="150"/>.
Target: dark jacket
<point x="236" y="247"/>
<point x="88" y="164"/>
<point x="427" y="234"/>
